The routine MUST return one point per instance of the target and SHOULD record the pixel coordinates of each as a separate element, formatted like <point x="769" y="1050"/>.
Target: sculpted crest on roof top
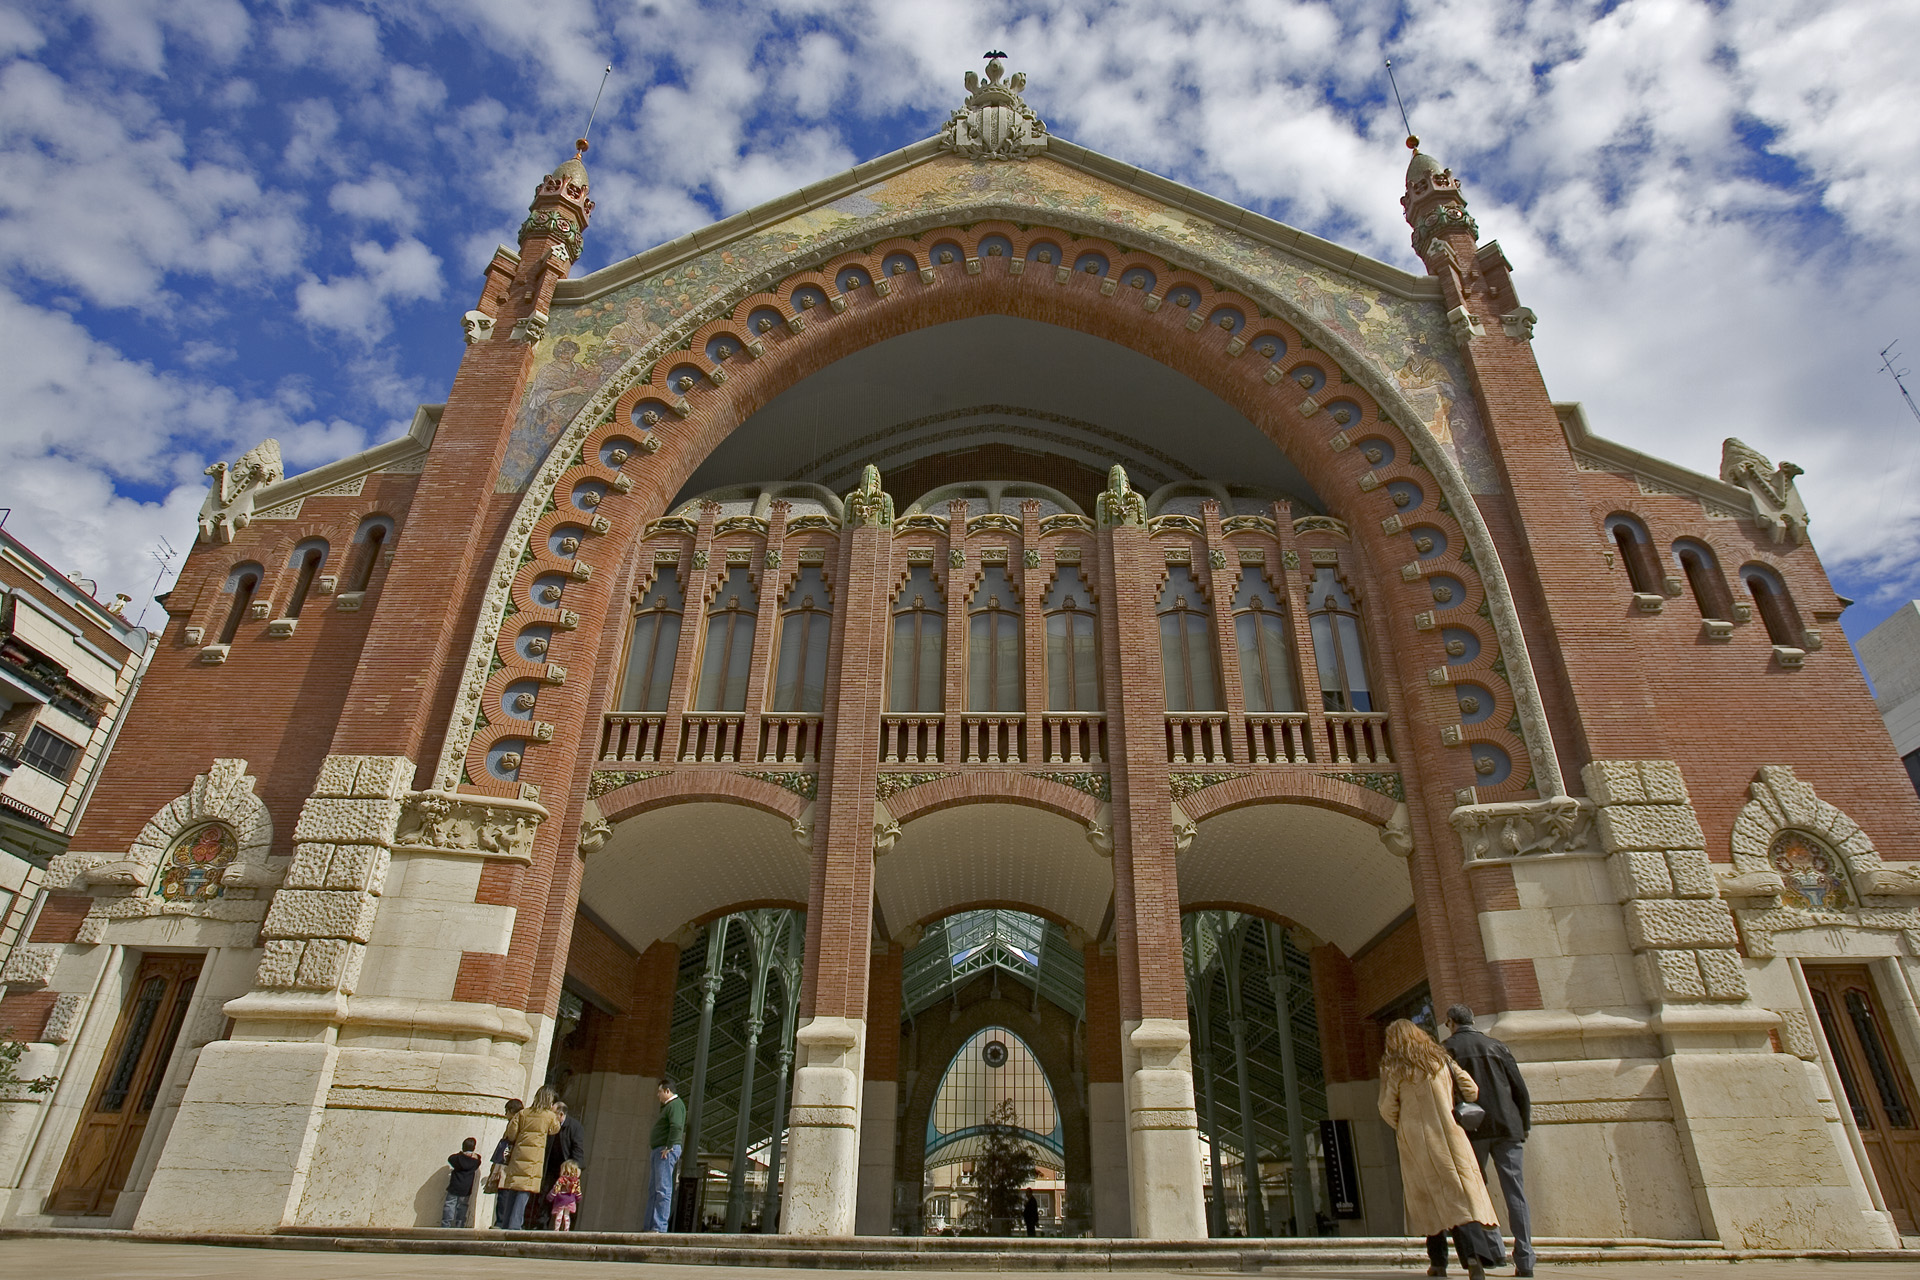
<point x="996" y="124"/>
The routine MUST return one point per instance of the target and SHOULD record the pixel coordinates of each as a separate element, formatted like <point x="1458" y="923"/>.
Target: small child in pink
<point x="565" y="1196"/>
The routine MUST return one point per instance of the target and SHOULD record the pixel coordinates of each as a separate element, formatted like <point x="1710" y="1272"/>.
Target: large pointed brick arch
<point x="992" y="786"/>
<point x="1287" y="788"/>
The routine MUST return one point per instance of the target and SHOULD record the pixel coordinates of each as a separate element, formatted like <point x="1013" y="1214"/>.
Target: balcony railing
<point x="994" y="739"/>
<point x="1073" y="739"/>
<point x="709" y="738"/>
<point x="1359" y="737"/>
<point x="790" y="739"/>
<point x="1279" y="739"/>
<point x="913" y="739"/>
<point x="1197" y="739"/>
<point x="627" y="737"/>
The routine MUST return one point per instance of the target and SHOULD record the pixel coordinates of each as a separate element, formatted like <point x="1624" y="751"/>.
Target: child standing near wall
<point x="460" y="1184"/>
<point x="565" y="1196"/>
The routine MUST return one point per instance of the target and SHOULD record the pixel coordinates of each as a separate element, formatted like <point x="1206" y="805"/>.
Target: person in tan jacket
<point x="1443" y="1186"/>
<point x="527" y="1136"/>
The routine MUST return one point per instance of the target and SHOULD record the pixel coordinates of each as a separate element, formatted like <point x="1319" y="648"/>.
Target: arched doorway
<point x="993" y="1098"/>
<point x="973" y="980"/>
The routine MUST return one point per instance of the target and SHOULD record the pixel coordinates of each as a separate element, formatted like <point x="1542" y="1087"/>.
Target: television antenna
<point x="1888" y="365"/>
<point x="163" y="555"/>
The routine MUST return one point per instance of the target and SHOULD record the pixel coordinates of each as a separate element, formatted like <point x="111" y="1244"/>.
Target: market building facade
<point x="994" y="551"/>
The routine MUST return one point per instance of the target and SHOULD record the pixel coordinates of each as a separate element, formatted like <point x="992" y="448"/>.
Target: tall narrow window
<point x="995" y="665"/>
<point x="729" y="648"/>
<point x="1073" y="658"/>
<point x="1337" y="650"/>
<point x="244" y="580"/>
<point x="1266" y="651"/>
<point x="918" y="676"/>
<point x="800" y="681"/>
<point x="370" y="540"/>
<point x="1776" y="607"/>
<point x="1186" y="644"/>
<point x="310" y="557"/>
<point x="1703" y="575"/>
<point x="1636" y="552"/>
<point x="654" y="646"/>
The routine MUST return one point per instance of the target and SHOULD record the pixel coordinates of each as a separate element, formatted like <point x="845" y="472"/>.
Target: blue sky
<point x="222" y="221"/>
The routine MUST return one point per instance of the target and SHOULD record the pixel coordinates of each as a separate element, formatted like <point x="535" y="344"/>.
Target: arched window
<point x="1776" y="609"/>
<point x="654" y="645"/>
<point x="1636" y="552"/>
<point x="800" y="680"/>
<point x="1073" y="656"/>
<point x="311" y="557"/>
<point x="1337" y="650"/>
<point x="242" y="582"/>
<point x="370" y="539"/>
<point x="1186" y="644"/>
<point x="1704" y="578"/>
<point x="729" y="648"/>
<point x="996" y="668"/>
<point x="1266" y="651"/>
<point x="918" y="676"/>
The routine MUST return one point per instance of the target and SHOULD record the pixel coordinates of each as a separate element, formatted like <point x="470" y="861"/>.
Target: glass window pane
<point x="979" y="662"/>
<point x="1246" y="635"/>
<point x="1010" y="696"/>
<point x="933" y="662"/>
<point x="1086" y="665"/>
<point x="1356" y="663"/>
<point x="738" y="662"/>
<point x="900" y="696"/>
<point x="1173" y="663"/>
<point x="1206" y="689"/>
<point x="1274" y="647"/>
<point x="813" y="695"/>
<point x="786" y="674"/>
<point x="713" y="663"/>
<point x="633" y="696"/>
<point x="1060" y="673"/>
<point x="1327" y="660"/>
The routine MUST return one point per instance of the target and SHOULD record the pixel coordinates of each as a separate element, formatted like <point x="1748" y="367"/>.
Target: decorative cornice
<point x="1097" y="785"/>
<point x="888" y="785"/>
<point x="804" y="785"/>
<point x="604" y="781"/>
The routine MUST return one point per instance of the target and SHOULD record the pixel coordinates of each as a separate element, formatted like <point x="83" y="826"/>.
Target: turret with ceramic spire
<point x="1476" y="282"/>
<point x="519" y="291"/>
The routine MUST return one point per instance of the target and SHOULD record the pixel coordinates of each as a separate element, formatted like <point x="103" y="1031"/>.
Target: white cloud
<point x="357" y="305"/>
<point x="377" y="199"/>
<point x="99" y="195"/>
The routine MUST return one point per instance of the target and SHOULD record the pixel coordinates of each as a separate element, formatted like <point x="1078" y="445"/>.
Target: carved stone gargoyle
<point x="229" y="504"/>
<point x="1776" y="503"/>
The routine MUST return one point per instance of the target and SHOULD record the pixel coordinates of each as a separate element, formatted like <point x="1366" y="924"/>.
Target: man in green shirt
<point x="669" y="1131"/>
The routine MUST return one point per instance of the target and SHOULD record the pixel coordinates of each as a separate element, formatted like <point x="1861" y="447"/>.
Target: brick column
<point x="1163" y="1137"/>
<point x="880" y="1093"/>
<point x="616" y="1099"/>
<point x="824" y="1123"/>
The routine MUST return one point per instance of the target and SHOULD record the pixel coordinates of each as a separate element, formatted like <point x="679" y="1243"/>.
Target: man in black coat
<point x="1503" y="1094"/>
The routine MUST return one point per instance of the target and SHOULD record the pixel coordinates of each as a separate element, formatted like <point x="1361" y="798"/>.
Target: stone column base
<point x="1163" y="1133"/>
<point x="823" y="1129"/>
<point x="1107" y="1141"/>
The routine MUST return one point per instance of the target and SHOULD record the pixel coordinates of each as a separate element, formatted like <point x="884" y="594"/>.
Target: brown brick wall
<point x="599" y="963"/>
<point x="24" y="1015"/>
<point x="60" y="917"/>
<point x="1393" y="967"/>
<point x="1103" y="1018"/>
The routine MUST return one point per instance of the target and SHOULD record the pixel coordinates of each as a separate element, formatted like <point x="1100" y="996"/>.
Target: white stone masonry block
<point x="1634" y="782"/>
<point x="1679" y="923"/>
<point x="320" y="913"/>
<point x="1692" y="874"/>
<point x="1637" y="875"/>
<point x="343" y="821"/>
<point x="1661" y="827"/>
<point x="31" y="965"/>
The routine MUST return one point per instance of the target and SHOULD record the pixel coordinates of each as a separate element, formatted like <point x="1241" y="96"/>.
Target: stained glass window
<point x="192" y="869"/>
<point x="1815" y="879"/>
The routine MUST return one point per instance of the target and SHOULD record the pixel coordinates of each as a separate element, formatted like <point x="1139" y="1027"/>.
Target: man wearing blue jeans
<point x="669" y="1131"/>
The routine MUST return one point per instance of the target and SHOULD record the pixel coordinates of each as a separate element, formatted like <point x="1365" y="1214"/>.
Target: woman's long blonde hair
<point x="1411" y="1052"/>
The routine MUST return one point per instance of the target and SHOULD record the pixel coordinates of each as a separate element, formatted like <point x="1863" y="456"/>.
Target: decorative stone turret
<point x="1435" y="209"/>
<point x="518" y="293"/>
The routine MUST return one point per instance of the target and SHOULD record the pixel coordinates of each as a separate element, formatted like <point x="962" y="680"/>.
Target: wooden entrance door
<point x="127" y="1087"/>
<point x="1878" y="1086"/>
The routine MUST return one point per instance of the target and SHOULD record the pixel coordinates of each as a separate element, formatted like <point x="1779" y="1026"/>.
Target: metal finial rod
<point x="1398" y="102"/>
<point x="595" y="110"/>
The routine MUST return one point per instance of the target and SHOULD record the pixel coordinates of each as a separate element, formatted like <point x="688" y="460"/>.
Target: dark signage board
<point x="1343" y="1171"/>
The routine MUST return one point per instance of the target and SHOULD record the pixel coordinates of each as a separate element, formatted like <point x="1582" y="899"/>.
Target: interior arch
<point x="971" y="854"/>
<point x="638" y="883"/>
<point x="1324" y="869"/>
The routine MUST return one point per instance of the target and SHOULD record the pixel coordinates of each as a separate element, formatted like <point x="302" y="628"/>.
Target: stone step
<point x="940" y="1253"/>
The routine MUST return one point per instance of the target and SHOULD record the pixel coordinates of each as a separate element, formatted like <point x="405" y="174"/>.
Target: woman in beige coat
<point x="527" y="1159"/>
<point x="1441" y="1180"/>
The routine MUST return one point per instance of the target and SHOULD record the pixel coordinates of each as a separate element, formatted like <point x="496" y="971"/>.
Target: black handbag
<point x="1468" y="1115"/>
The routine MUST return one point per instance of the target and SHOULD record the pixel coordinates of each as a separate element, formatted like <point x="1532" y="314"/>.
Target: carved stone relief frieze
<point x="1525" y="828"/>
